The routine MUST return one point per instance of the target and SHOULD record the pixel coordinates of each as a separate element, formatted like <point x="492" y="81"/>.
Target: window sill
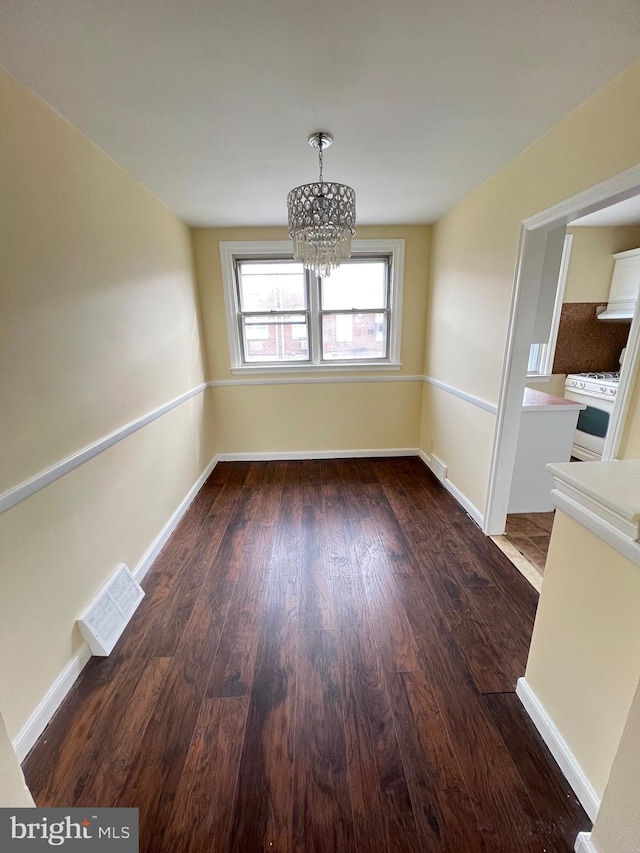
<point x="316" y="368"/>
<point x="538" y="377"/>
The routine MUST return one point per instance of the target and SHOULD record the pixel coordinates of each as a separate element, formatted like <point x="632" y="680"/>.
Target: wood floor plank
<point x="366" y="472"/>
<point x="127" y="714"/>
<point x="177" y="596"/>
<point x="287" y="552"/>
<point x="461" y="567"/>
<point x="521" y="598"/>
<point x="202" y="811"/>
<point x="392" y="631"/>
<point x="412" y="523"/>
<point x="335" y="546"/>
<point x="200" y="819"/>
<point x="157" y="767"/>
<point x="389" y="533"/>
<point x="232" y="672"/>
<point x="442" y="804"/>
<point x="382" y="811"/>
<point x="316" y="593"/>
<point x="322" y="817"/>
<point x="263" y="811"/>
<point x="495" y="658"/>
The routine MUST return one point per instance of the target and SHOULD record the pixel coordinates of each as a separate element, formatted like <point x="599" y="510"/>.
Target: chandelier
<point x="322" y="218"/>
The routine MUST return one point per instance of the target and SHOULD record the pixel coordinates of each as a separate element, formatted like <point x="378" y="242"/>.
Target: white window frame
<point x="541" y="355"/>
<point x="230" y="250"/>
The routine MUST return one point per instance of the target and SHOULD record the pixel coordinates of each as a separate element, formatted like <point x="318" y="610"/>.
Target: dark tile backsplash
<point x="585" y="343"/>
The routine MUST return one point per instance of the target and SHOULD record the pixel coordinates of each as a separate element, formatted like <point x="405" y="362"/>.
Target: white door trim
<point x="623" y="398"/>
<point x="523" y="305"/>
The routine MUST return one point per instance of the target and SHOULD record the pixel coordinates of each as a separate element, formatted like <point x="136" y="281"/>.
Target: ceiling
<point x="209" y="103"/>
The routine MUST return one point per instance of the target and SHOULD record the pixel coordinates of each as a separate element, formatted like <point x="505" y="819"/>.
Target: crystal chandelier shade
<point x="322" y="218"/>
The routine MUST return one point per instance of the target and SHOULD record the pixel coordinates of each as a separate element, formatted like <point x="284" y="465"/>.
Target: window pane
<point x="354" y="336"/>
<point x="276" y="286"/>
<point x="535" y="357"/>
<point x="362" y="284"/>
<point x="275" y="337"/>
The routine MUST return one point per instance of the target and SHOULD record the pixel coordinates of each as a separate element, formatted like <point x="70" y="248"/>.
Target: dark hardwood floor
<point x="325" y="660"/>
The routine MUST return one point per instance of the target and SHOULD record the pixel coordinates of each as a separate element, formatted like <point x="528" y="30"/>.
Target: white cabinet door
<point x="625" y="283"/>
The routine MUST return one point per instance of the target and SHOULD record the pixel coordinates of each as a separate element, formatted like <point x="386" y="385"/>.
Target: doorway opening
<point x="533" y="302"/>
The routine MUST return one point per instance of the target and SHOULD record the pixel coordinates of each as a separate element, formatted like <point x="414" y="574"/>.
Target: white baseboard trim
<point x="559" y="748"/>
<point x="465" y="503"/>
<point x="284" y="455"/>
<point x="470" y="508"/>
<point x="584" y="844"/>
<point x="41" y="717"/>
<point x="159" y="542"/>
<point x="52" y="700"/>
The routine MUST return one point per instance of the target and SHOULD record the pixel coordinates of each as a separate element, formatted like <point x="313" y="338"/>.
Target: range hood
<point x="625" y="285"/>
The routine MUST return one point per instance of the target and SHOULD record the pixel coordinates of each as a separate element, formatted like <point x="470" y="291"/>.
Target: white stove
<point x="603" y="385"/>
<point x="598" y="393"/>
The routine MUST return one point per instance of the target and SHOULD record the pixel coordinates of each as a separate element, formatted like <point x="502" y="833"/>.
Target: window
<point x="541" y="355"/>
<point x="282" y="317"/>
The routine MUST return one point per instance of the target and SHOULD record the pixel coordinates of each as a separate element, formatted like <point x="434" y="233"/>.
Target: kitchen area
<point x="568" y="408"/>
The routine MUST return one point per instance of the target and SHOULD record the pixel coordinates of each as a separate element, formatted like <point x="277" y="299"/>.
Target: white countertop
<point x="539" y="401"/>
<point x="606" y="497"/>
<point x="614" y="484"/>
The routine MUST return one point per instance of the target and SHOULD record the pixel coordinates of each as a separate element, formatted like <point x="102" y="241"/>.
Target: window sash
<point x="385" y="312"/>
<point x="279" y="320"/>
<point x="355" y="261"/>
<point x="314" y="315"/>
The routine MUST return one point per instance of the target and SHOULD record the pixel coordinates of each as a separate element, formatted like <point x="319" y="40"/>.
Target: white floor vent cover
<point x="438" y="467"/>
<point x="104" y="620"/>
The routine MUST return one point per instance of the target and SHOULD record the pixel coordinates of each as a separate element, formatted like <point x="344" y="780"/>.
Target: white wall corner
<point x="559" y="749"/>
<point x="584" y="844"/>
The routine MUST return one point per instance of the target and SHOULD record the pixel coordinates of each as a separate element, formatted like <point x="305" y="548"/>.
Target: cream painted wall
<point x="617" y="827"/>
<point x="584" y="660"/>
<point x="464" y="458"/>
<point x="99" y="322"/>
<point x="319" y="416"/>
<point x="13" y="789"/>
<point x="339" y="416"/>
<point x="99" y="326"/>
<point x="474" y="255"/>
<point x="591" y="264"/>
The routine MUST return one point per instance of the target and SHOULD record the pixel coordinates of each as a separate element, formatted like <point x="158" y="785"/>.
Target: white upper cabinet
<point x="625" y="286"/>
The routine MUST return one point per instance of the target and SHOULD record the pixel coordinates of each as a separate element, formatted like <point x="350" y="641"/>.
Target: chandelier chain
<point x="320" y="159"/>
